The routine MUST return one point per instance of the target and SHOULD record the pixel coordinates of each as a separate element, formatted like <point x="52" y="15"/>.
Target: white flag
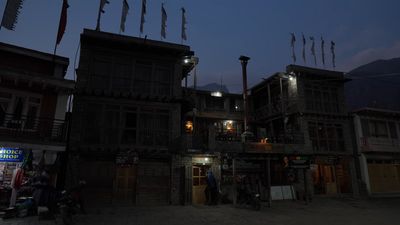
<point x="142" y="16"/>
<point x="313" y="49"/>
<point x="163" y="21"/>
<point x="183" y="34"/>
<point x="125" y="9"/>
<point x="10" y="15"/>
<point x="102" y="3"/>
<point x="333" y="53"/>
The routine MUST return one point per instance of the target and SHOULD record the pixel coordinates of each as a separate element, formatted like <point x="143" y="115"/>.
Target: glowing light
<point x="189" y="126"/>
<point x="206" y="159"/>
<point x="216" y="94"/>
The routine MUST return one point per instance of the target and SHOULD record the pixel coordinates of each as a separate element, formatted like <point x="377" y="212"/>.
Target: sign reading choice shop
<point x="11" y="155"/>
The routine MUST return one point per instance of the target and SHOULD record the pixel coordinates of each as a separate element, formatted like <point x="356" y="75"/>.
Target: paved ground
<point x="323" y="211"/>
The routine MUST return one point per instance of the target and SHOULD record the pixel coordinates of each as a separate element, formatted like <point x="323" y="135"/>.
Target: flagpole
<point x="98" y="17"/>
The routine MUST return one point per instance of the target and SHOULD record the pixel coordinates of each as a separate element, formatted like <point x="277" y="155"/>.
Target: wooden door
<point x="125" y="184"/>
<point x="199" y="183"/>
<point x="330" y="179"/>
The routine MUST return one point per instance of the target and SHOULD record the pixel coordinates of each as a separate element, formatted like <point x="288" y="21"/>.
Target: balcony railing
<point x="19" y="127"/>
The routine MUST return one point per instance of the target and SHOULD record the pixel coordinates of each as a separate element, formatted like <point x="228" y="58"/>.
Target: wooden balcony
<point x="32" y="129"/>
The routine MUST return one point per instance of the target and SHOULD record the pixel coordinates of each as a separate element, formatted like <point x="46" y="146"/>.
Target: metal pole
<point x="282" y="111"/>
<point x="244" y="60"/>
<point x="98" y="18"/>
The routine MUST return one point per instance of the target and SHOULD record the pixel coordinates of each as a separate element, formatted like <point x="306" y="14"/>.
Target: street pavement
<point x="325" y="211"/>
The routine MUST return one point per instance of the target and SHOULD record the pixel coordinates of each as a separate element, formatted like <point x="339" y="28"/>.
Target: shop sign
<point x="299" y="162"/>
<point x="11" y="155"/>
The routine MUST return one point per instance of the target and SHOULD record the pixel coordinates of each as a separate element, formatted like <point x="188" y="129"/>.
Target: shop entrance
<point x="125" y="184"/>
<point x="331" y="179"/>
<point x="199" y="183"/>
<point x="325" y="179"/>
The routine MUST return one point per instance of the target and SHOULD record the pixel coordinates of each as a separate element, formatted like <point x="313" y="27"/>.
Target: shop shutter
<point x="153" y="183"/>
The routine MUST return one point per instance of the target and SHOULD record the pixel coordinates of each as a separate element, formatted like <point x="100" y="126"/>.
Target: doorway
<point x="199" y="183"/>
<point x="125" y="184"/>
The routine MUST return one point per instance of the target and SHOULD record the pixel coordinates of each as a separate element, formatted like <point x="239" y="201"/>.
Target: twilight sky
<point x="219" y="31"/>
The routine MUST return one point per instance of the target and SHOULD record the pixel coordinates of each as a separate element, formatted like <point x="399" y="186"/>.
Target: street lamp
<point x="244" y="60"/>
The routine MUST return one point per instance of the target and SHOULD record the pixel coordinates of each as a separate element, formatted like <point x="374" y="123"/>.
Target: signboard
<point x="126" y="158"/>
<point x="11" y="155"/>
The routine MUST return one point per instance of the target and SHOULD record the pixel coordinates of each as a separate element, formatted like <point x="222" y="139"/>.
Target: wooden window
<point x="129" y="125"/>
<point x="143" y="74"/>
<point x="393" y="130"/>
<point x="100" y="78"/>
<point x="122" y="75"/>
<point x="326" y="137"/>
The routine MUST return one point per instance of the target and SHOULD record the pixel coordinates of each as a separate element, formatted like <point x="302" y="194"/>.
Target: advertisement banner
<point x="11" y="154"/>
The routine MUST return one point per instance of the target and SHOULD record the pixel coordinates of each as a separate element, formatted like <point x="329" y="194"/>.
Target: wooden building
<point x="302" y="114"/>
<point x="127" y="111"/>
<point x="33" y="103"/>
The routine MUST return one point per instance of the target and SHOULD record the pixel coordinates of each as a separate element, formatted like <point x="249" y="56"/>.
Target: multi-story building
<point x="213" y="128"/>
<point x="127" y="112"/>
<point x="33" y="102"/>
<point x="301" y="112"/>
<point x="378" y="149"/>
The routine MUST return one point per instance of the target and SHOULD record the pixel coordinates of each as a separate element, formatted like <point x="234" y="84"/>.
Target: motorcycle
<point x="70" y="202"/>
<point x="67" y="207"/>
<point x="250" y="199"/>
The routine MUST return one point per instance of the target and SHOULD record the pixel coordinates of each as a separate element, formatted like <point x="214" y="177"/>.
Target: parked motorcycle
<point x="70" y="202"/>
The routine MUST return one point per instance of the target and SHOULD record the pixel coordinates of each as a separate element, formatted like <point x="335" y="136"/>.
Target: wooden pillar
<point x="269" y="181"/>
<point x="305" y="186"/>
<point x="234" y="181"/>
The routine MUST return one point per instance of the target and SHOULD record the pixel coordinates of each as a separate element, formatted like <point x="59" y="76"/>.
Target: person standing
<point x="212" y="188"/>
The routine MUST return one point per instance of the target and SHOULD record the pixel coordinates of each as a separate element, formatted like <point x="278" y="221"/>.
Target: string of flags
<point x="163" y="22"/>
<point x="312" y="50"/>
<point x="125" y="9"/>
<point x="13" y="8"/>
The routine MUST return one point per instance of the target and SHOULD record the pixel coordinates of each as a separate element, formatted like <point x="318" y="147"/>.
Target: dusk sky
<point x="219" y="31"/>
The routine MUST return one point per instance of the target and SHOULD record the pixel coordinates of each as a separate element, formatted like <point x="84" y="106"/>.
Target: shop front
<point x="11" y="160"/>
<point x="22" y="172"/>
<point x="331" y="175"/>
<point x="201" y="165"/>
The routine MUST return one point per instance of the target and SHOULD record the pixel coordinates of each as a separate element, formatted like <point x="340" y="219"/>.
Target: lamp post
<point x="244" y="60"/>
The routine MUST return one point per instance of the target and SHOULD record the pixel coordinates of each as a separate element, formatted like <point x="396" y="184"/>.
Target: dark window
<point x="378" y="129"/>
<point x="19" y="105"/>
<point x="142" y="83"/>
<point x="365" y="128"/>
<point x="321" y="99"/>
<point x="112" y="124"/>
<point x="214" y="103"/>
<point x="392" y="130"/>
<point x="162" y="81"/>
<point x="101" y="75"/>
<point x="129" y="126"/>
<point x="122" y="75"/>
<point x="92" y="128"/>
<point x="31" y="117"/>
<point x="326" y="137"/>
